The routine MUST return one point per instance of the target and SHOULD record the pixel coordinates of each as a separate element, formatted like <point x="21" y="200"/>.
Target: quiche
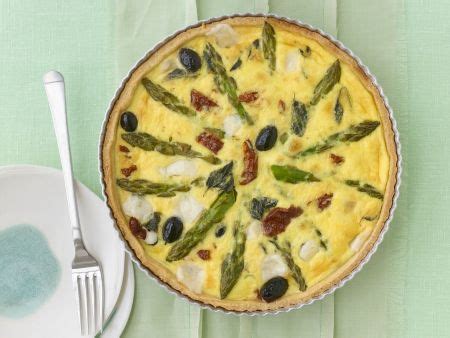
<point x="250" y="163"/>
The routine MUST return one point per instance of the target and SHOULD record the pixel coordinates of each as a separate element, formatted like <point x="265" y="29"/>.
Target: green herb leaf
<point x="291" y="174"/>
<point x="299" y="118"/>
<point x="236" y="65"/>
<point x="222" y="178"/>
<point x="178" y="73"/>
<point x="331" y="77"/>
<point x="338" y="107"/>
<point x="170" y="101"/>
<point x="260" y="204"/>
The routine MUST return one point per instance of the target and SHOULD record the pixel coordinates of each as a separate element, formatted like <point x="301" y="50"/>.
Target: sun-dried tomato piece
<point x="200" y="101"/>
<point x="248" y="97"/>
<point x="124" y="149"/>
<point x="127" y="171"/>
<point x="324" y="201"/>
<point x="336" y="159"/>
<point x="250" y="163"/>
<point x="136" y="228"/>
<point x="276" y="221"/>
<point x="210" y="141"/>
<point x="281" y="106"/>
<point x="204" y="254"/>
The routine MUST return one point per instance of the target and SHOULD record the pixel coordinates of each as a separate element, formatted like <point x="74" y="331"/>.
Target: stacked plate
<point x="36" y="295"/>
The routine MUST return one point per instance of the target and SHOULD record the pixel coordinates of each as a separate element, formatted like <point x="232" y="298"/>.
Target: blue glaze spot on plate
<point x="29" y="271"/>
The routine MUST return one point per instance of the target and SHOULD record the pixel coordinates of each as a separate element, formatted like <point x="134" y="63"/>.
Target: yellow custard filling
<point x="333" y="231"/>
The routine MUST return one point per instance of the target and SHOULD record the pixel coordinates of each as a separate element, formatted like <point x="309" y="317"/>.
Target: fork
<point x="86" y="272"/>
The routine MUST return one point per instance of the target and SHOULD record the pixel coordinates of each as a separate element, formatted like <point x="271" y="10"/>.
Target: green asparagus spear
<point x="295" y="269"/>
<point x="233" y="264"/>
<point x="150" y="143"/>
<point x="365" y="188"/>
<point x="226" y="84"/>
<point x="198" y="232"/>
<point x="269" y="45"/>
<point x="331" y="77"/>
<point x="299" y="118"/>
<point x="290" y="174"/>
<point x="343" y="96"/>
<point x="144" y="187"/>
<point x="160" y="94"/>
<point x="353" y="133"/>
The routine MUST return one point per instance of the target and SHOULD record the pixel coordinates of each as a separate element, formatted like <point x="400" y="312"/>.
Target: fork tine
<point x="99" y="304"/>
<point x="83" y="303"/>
<point x="91" y="303"/>
<point x="77" y="291"/>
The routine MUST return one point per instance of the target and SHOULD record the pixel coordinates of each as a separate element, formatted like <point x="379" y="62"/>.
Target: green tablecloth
<point x="403" y="291"/>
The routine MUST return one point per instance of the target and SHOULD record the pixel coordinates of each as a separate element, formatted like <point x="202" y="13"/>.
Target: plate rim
<point x="28" y="169"/>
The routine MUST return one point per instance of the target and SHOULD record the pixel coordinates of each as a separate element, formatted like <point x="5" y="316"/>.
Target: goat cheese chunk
<point x="232" y="124"/>
<point x="291" y="62"/>
<point x="357" y="243"/>
<point x="308" y="250"/>
<point x="180" y="168"/>
<point x="224" y="34"/>
<point x="272" y="266"/>
<point x="188" y="208"/>
<point x="254" y="230"/>
<point x="192" y="276"/>
<point x="138" y="207"/>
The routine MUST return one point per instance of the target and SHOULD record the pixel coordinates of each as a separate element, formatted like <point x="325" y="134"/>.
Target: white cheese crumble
<point x="291" y="62"/>
<point x="360" y="239"/>
<point x="224" y="34"/>
<point x="272" y="266"/>
<point x="138" y="207"/>
<point x="308" y="250"/>
<point x="254" y="230"/>
<point x="151" y="238"/>
<point x="188" y="208"/>
<point x="180" y="168"/>
<point x="192" y="276"/>
<point x="232" y="124"/>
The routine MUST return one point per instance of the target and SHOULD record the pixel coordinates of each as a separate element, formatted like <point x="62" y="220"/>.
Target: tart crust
<point x="154" y="268"/>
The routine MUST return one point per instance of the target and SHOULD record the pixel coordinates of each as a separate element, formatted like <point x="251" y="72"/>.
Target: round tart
<point x="250" y="163"/>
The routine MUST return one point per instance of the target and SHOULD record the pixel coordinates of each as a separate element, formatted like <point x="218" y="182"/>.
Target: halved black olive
<point x="266" y="138"/>
<point x="220" y="230"/>
<point x="128" y="121"/>
<point x="172" y="229"/>
<point x="190" y="59"/>
<point x="273" y="289"/>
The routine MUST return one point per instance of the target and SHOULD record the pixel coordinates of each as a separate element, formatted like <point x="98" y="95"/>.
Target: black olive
<point x="266" y="138"/>
<point x="220" y="230"/>
<point x="273" y="289"/>
<point x="152" y="225"/>
<point x="172" y="229"/>
<point x="128" y="121"/>
<point x="190" y="59"/>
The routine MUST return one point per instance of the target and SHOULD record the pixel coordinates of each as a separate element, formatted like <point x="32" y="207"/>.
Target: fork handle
<point x="55" y="89"/>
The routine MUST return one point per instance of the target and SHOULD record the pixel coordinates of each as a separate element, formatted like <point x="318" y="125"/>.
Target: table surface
<point x="80" y="40"/>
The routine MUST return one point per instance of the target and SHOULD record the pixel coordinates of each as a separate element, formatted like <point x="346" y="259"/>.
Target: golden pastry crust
<point x="108" y="143"/>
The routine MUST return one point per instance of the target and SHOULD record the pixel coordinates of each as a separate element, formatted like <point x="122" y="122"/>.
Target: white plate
<point x="36" y="196"/>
